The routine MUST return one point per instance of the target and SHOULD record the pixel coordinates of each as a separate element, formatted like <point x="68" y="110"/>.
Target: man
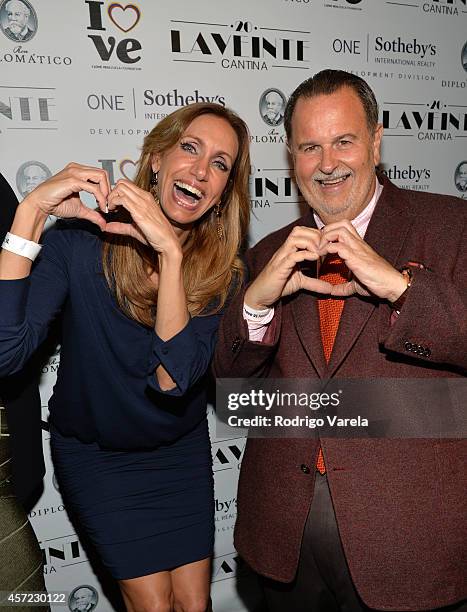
<point x="84" y="600"/>
<point x="353" y="524"/>
<point x="274" y="105"/>
<point x="461" y="177"/>
<point x="33" y="176"/>
<point x="18" y="16"/>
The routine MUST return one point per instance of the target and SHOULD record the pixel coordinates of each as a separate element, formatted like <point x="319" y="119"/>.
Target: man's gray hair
<point x="26" y="10"/>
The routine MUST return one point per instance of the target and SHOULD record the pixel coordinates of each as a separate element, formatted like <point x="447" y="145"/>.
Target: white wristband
<point x="21" y="246"/>
<point x="257" y="316"/>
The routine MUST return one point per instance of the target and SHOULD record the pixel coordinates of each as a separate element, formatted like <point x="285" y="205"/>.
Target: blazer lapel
<point x="305" y="315"/>
<point x="386" y="234"/>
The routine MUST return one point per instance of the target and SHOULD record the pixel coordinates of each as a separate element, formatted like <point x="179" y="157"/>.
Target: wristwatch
<point x="407" y="274"/>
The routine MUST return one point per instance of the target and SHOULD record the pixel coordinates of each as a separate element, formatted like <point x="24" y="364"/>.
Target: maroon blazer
<point x="400" y="504"/>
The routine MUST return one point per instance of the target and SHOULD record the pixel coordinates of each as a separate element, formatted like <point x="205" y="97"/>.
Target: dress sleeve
<point x="29" y="305"/>
<point x="187" y="355"/>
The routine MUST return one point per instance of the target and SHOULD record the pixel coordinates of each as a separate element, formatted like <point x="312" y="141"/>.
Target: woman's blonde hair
<point x="211" y="266"/>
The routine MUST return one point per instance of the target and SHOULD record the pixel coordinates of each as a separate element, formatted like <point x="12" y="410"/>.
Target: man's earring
<point x="220" y="225"/>
<point x="153" y="184"/>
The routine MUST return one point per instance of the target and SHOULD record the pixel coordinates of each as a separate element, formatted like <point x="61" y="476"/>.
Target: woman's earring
<point x="153" y="184"/>
<point x="220" y="226"/>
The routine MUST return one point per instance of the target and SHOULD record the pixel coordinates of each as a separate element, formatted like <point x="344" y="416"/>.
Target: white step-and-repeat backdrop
<point x="85" y="80"/>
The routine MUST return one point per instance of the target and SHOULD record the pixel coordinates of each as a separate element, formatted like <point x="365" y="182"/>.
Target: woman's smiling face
<point x="193" y="174"/>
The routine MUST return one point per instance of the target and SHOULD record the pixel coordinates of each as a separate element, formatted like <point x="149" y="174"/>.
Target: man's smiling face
<point x="335" y="154"/>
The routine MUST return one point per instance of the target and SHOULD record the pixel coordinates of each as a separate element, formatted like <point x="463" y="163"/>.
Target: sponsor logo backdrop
<point x="86" y="80"/>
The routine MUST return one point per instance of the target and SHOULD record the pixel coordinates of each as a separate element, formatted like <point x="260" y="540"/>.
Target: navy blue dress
<point x="133" y="461"/>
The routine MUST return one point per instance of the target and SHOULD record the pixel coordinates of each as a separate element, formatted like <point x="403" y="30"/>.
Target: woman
<point x="140" y="291"/>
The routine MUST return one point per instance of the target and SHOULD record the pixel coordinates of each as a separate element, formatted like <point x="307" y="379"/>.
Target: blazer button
<point x="235" y="345"/>
<point x="305" y="469"/>
<point x="408" y="346"/>
<point x="427" y="352"/>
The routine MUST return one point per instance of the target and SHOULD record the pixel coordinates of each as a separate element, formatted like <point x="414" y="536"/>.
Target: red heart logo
<point x="124" y="17"/>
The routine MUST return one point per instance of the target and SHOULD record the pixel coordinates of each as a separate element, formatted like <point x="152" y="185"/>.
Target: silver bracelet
<point x="21" y="246"/>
